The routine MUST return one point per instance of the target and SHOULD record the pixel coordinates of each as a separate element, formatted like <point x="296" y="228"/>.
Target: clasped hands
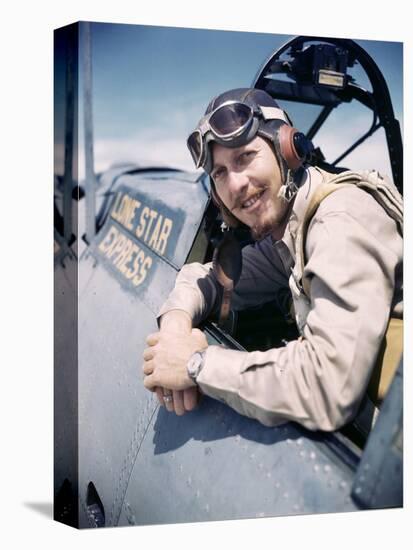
<point x="165" y="362"/>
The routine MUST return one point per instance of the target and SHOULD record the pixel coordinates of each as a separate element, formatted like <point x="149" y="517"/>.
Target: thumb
<point x="199" y="337"/>
<point x="149" y="383"/>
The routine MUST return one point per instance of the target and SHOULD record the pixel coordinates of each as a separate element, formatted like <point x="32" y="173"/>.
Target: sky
<point x="151" y="85"/>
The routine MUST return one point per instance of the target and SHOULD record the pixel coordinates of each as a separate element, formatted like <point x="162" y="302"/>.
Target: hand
<point x="182" y="401"/>
<point x="178" y="322"/>
<point x="165" y="363"/>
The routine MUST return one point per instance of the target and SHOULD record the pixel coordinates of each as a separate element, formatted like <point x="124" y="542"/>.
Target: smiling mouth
<point x="252" y="200"/>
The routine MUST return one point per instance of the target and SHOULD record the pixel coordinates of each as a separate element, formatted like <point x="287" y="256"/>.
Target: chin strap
<point x="290" y="187"/>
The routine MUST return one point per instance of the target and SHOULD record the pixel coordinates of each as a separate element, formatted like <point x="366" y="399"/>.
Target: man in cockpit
<point x="334" y="241"/>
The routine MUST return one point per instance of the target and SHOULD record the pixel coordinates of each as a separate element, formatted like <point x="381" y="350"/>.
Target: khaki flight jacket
<point x="353" y="267"/>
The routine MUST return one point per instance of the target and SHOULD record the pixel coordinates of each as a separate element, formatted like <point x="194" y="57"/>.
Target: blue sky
<point x="151" y="85"/>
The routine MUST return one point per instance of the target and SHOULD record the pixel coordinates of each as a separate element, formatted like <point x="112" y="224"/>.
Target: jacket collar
<point x="311" y="179"/>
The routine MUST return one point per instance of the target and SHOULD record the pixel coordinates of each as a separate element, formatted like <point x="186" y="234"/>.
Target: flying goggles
<point x="232" y="124"/>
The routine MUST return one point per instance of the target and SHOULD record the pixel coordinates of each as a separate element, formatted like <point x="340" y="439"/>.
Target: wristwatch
<point x="195" y="364"/>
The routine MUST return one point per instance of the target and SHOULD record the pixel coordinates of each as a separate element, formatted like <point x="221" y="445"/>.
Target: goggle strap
<point x="203" y="127"/>
<point x="273" y="113"/>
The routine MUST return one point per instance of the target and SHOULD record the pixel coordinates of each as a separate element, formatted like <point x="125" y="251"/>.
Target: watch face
<point x="195" y="364"/>
<point x="195" y="361"/>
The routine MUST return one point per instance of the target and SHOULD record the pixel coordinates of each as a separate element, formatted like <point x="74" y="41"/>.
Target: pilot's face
<point x="247" y="180"/>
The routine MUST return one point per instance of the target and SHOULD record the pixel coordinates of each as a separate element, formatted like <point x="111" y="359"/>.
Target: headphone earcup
<point x="294" y="146"/>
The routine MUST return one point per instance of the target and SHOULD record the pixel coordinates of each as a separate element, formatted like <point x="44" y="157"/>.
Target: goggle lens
<point x="229" y="119"/>
<point x="226" y="122"/>
<point x="195" y="146"/>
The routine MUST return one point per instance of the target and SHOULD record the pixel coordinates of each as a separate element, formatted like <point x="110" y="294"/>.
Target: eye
<point x="247" y="155"/>
<point x="218" y="174"/>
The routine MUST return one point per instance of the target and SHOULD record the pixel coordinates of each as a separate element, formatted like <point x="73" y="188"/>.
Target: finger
<point x="190" y="398"/>
<point x="153" y="339"/>
<point x="148" y="353"/>
<point x="148" y="367"/>
<point x="159" y="395"/>
<point x="169" y="403"/>
<point x="178" y="401"/>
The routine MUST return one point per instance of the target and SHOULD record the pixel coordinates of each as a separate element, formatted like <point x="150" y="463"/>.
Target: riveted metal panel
<point x="214" y="464"/>
<point x="113" y="325"/>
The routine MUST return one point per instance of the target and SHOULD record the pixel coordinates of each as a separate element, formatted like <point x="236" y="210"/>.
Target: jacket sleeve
<point x="353" y="252"/>
<point x="197" y="291"/>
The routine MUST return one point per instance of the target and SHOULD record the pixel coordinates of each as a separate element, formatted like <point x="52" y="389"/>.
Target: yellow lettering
<point x="115" y="212"/>
<point x="137" y="266"/>
<point x="163" y="237"/>
<point x="125" y="211"/>
<point x="153" y="214"/>
<point x="111" y="237"/>
<point x="120" y="215"/>
<point x="155" y="233"/>
<point x="146" y="264"/>
<point x="125" y="214"/>
<point x="141" y="227"/>
<point x="123" y="254"/>
<point x="133" y="205"/>
<point x="116" y="246"/>
<point x="126" y="256"/>
<point x="131" y="273"/>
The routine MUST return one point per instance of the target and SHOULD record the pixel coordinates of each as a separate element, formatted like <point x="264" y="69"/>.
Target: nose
<point x="237" y="183"/>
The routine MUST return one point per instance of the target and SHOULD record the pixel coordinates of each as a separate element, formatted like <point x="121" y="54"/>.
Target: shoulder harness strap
<point x="389" y="198"/>
<point x="382" y="190"/>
